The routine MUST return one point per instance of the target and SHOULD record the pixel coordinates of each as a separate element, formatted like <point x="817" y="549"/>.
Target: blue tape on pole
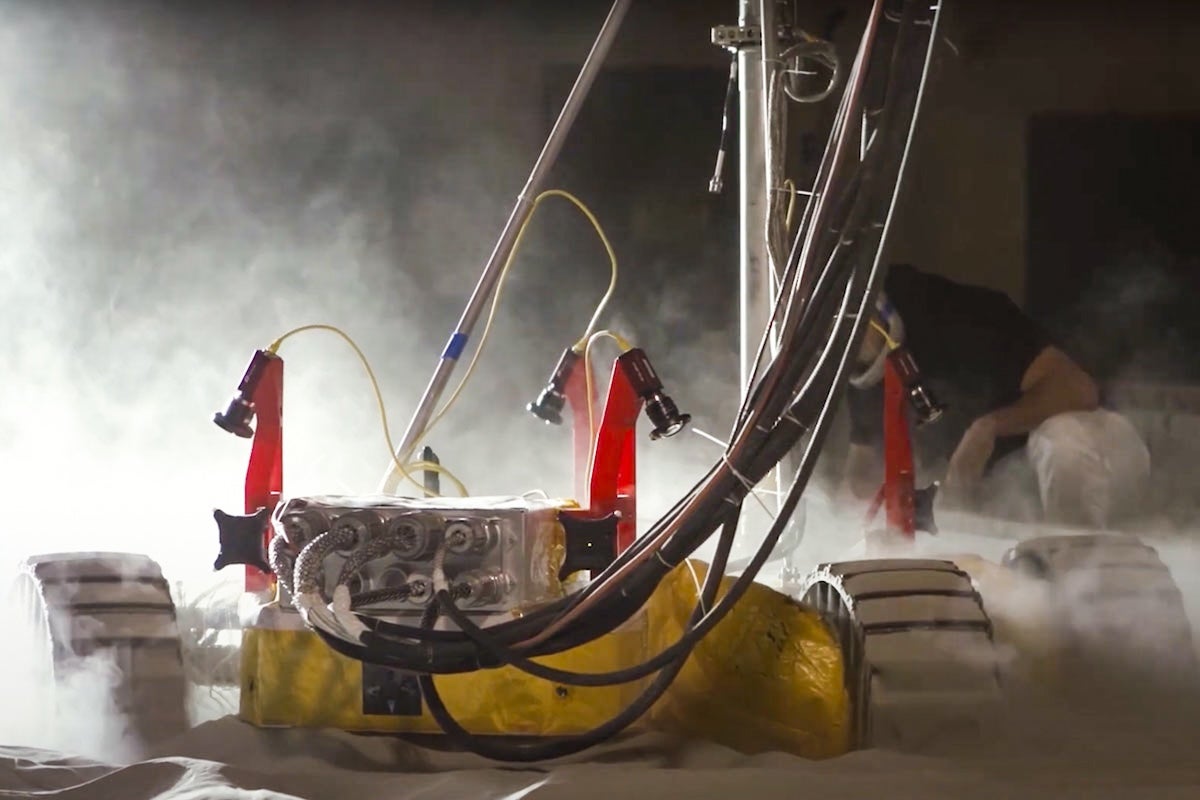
<point x="456" y="345"/>
<point x="885" y="307"/>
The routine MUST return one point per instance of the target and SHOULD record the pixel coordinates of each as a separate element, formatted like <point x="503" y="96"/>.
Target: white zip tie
<point x="663" y="561"/>
<point x="790" y="417"/>
<point x="744" y="480"/>
<point x="345" y="614"/>
<point x="750" y="490"/>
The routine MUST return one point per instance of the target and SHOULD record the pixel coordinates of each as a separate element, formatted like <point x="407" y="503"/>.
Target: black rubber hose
<point x="558" y="747"/>
<point x="508" y="657"/>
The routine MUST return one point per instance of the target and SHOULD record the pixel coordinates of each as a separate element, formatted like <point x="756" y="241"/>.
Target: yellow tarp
<point x="768" y="677"/>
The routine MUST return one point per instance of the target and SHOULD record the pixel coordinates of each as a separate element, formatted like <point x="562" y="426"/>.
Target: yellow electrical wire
<point x="625" y="346"/>
<point x="892" y="344"/>
<point x="487" y="327"/>
<point x="273" y="348"/>
<point x="429" y="466"/>
<point x="399" y="459"/>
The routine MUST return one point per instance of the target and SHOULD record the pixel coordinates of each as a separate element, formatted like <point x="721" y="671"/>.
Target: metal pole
<point x="754" y="266"/>
<point x="771" y="167"/>
<point x="504" y="246"/>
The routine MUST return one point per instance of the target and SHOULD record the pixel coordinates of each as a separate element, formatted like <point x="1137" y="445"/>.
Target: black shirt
<point x="972" y="346"/>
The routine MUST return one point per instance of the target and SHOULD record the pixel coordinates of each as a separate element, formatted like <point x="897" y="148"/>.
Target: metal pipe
<point x="771" y="167"/>
<point x="504" y="246"/>
<point x="753" y="262"/>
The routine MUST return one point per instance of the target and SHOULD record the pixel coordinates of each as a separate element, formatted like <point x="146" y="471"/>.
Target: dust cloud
<point x="179" y="185"/>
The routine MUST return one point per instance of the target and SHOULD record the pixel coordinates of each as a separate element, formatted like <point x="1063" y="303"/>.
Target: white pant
<point x="1092" y="467"/>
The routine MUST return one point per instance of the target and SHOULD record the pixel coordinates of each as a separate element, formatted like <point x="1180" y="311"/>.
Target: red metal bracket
<point x="264" y="472"/>
<point x="898" y="493"/>
<point x="611" y="484"/>
<point x="613" y="481"/>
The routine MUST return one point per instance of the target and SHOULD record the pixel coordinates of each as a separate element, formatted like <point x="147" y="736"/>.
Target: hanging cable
<point x="273" y="349"/>
<point x="717" y="183"/>
<point x="500" y="283"/>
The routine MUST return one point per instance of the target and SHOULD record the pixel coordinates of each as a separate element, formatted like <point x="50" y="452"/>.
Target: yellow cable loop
<point x="487" y="327"/>
<point x="429" y="466"/>
<point x="625" y="346"/>
<point x="399" y="459"/>
<point x="273" y="348"/>
<point x="892" y="344"/>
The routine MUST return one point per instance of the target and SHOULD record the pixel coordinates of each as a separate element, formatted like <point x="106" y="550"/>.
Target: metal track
<point x="109" y="615"/>
<point x="1114" y="604"/>
<point x="917" y="647"/>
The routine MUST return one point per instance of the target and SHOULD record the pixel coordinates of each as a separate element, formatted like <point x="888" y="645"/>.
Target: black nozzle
<point x="550" y="403"/>
<point x="922" y="400"/>
<point x="924" y="404"/>
<point x="663" y="412"/>
<point x="238" y="416"/>
<point x="660" y="408"/>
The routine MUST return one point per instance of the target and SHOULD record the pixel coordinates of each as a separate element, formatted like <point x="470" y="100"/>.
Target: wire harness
<point x="831" y="275"/>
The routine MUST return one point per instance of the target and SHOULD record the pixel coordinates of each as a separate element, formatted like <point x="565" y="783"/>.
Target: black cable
<point x="557" y="747"/>
<point x="508" y="657"/>
<point x="717" y="183"/>
<point x="562" y="746"/>
<point x="743" y="582"/>
<point x="384" y="595"/>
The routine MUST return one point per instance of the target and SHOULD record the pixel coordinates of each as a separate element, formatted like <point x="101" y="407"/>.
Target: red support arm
<point x="264" y="473"/>
<point x="898" y="493"/>
<point x="611" y="485"/>
<point x="899" y="480"/>
<point x="613" y="482"/>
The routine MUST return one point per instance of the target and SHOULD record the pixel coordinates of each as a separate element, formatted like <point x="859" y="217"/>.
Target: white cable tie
<point x="744" y="480"/>
<point x="663" y="561"/>
<point x="750" y="487"/>
<point x="316" y="614"/>
<point x="790" y="417"/>
<point x="345" y="614"/>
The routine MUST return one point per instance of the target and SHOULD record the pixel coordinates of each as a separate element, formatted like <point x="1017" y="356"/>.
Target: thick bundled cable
<point x="832" y="275"/>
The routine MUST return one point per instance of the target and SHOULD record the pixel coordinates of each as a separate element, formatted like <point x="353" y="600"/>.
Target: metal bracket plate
<point x="736" y="37"/>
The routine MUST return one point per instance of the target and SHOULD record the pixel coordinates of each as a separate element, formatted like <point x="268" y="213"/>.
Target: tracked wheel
<point x="916" y="644"/>
<point x="1114" y="605"/>
<point x="100" y="652"/>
